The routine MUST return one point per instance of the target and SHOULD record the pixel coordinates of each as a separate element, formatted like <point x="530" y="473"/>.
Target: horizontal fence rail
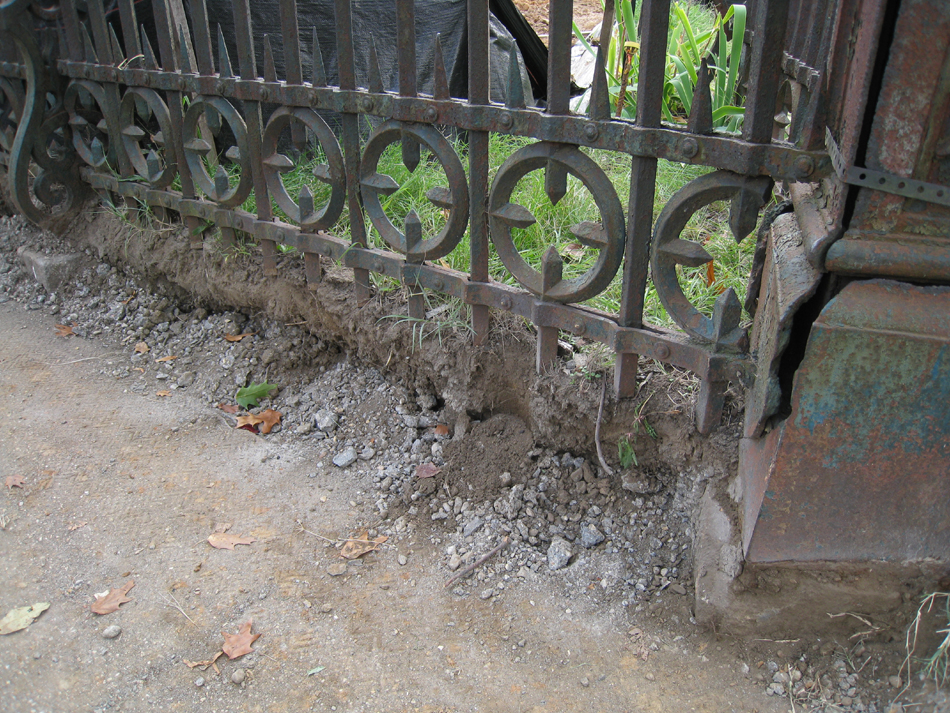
<point x="140" y="122"/>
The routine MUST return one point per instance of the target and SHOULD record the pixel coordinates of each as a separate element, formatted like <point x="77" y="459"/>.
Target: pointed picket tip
<point x="153" y="165"/>
<point x="381" y="183"/>
<point x="98" y="153"/>
<point x="375" y="76"/>
<point x="441" y="89"/>
<point x="233" y="154"/>
<point x="147" y="51"/>
<point x="410" y="153"/>
<point x="555" y="182"/>
<point x="270" y="69"/>
<point x="134" y="132"/>
<point x="222" y="184"/>
<point x="552" y="269"/>
<point x="117" y="53"/>
<point x="279" y="162"/>
<point x="88" y="47"/>
<point x="727" y="312"/>
<point x="700" y="113"/>
<point x="224" y="59"/>
<point x="184" y="57"/>
<point x="515" y="98"/>
<point x="413" y="228"/>
<point x="198" y="146"/>
<point x="322" y="173"/>
<point x="319" y="78"/>
<point x="305" y="203"/>
<point x="590" y="234"/>
<point x="685" y="252"/>
<point x="441" y="197"/>
<point x="515" y="216"/>
<point x="599" y="107"/>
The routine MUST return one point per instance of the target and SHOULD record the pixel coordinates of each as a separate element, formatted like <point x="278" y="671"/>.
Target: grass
<point x="935" y="665"/>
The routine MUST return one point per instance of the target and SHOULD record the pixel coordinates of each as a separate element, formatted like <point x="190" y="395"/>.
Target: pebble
<point x="585" y="682"/>
<point x="336" y="569"/>
<point x="650" y="677"/>
<point x="591" y="536"/>
<point x="894" y="681"/>
<point x="402" y="560"/>
<point x="111" y="632"/>
<point x="238" y="676"/>
<point x="678" y="588"/>
<point x="199" y="682"/>
<point x="326" y="608"/>
<point x="559" y="553"/>
<point x="345" y="458"/>
<point x="486" y="593"/>
<point x="454" y="562"/>
<point x="326" y="420"/>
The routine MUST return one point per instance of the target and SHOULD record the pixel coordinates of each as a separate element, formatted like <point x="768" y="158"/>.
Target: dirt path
<point x="122" y="486"/>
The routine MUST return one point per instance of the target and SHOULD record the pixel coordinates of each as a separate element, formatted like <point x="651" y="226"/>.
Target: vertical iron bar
<point x="204" y="55"/>
<point x="130" y="28"/>
<point x="252" y="115"/>
<point x="560" y="17"/>
<point x="552" y="269"/>
<point x="478" y="160"/>
<point x="600" y="94"/>
<point x="654" y="23"/>
<point x="413" y="228"/>
<point x="351" y="142"/>
<point x="293" y="69"/>
<point x="71" y="26"/>
<point x="765" y="71"/>
<point x="100" y="29"/>
<point x="406" y="42"/>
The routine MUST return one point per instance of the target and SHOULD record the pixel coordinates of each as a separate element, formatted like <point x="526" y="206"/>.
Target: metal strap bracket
<point x="886" y="182"/>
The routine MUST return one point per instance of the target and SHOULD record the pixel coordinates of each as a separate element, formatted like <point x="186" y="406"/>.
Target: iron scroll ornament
<point x="608" y="237"/>
<point x="147" y="104"/>
<point x="748" y="195"/>
<point x="196" y="148"/>
<point x="88" y="124"/>
<point x="454" y="199"/>
<point x="331" y="172"/>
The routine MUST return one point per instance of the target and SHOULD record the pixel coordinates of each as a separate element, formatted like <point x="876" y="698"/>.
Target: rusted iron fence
<point x="122" y="116"/>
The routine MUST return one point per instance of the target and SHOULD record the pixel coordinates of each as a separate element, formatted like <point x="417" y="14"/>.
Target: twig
<point x="76" y="361"/>
<point x="177" y="606"/>
<point x="347" y="539"/>
<point x="480" y="562"/>
<point x="600" y="415"/>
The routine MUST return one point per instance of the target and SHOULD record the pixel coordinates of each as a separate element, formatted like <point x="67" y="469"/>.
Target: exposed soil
<point x="129" y="465"/>
<point x="587" y="13"/>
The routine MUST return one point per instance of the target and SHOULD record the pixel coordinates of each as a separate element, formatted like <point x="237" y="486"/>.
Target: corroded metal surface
<point x="862" y="463"/>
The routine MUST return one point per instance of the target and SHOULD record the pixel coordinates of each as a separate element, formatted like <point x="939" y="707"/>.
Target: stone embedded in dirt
<point x="486" y="594"/>
<point x="346" y="457"/>
<point x="471" y="527"/>
<point x="326" y="420"/>
<point x="199" y="682"/>
<point x="505" y="479"/>
<point x="894" y="681"/>
<point x="509" y="506"/>
<point x="51" y="271"/>
<point x="336" y="569"/>
<point x="110" y="632"/>
<point x="679" y="589"/>
<point x="454" y="562"/>
<point x="186" y="379"/>
<point x="326" y="608"/>
<point x="559" y="553"/>
<point x="238" y="676"/>
<point x="402" y="560"/>
<point x="367" y="453"/>
<point x="590" y="535"/>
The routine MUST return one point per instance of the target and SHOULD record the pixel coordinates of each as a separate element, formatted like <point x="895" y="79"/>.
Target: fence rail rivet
<point x="804" y="166"/>
<point x="438" y="284"/>
<point x="662" y="351"/>
<point x="367" y="103"/>
<point x="591" y="131"/>
<point x="431" y="114"/>
<point x="265" y="93"/>
<point x="506" y="120"/>
<point x="378" y="265"/>
<point x="579" y="328"/>
<point x="506" y="302"/>
<point x="689" y="147"/>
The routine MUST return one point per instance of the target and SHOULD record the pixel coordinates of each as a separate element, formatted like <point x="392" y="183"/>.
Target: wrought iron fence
<point x="78" y="120"/>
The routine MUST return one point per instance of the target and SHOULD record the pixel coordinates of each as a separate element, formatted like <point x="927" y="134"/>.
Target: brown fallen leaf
<point x="269" y="419"/>
<point x="65" y="331"/>
<point x="166" y="358"/>
<point x="427" y="470"/>
<point x="14" y="481"/>
<point x="249" y="422"/>
<point x="222" y="526"/>
<point x="108" y="602"/>
<point x="76" y="526"/>
<point x="574" y="251"/>
<point x="229" y="408"/>
<point x="125" y="302"/>
<point x="359" y="546"/>
<point x="141" y="348"/>
<point x="203" y="664"/>
<point x="224" y="541"/>
<point x="163" y="393"/>
<point x="236" y="645"/>
<point x="441" y="430"/>
<point x="238" y="337"/>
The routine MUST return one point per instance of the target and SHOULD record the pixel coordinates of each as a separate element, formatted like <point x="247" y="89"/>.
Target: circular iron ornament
<point x="276" y="163"/>
<point x="197" y="148"/>
<point x="669" y="250"/>
<point x="132" y="134"/>
<point x="539" y="156"/>
<point x="11" y="108"/>
<point x="454" y="198"/>
<point x="87" y="122"/>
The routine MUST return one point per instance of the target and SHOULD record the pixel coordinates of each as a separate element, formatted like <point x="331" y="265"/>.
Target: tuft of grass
<point x="936" y="665"/>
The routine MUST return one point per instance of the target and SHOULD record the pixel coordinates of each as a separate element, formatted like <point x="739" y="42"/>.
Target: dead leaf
<point x="249" y="422"/>
<point x="166" y="358"/>
<point x="108" y="602"/>
<point x="574" y="251"/>
<point x="441" y="430"/>
<point x="76" y="526"/>
<point x="125" y="302"/>
<point x="427" y="470"/>
<point x="203" y="664"/>
<point x="21" y="617"/>
<point x="229" y="408"/>
<point x="163" y="393"/>
<point x="223" y="541"/>
<point x="63" y="331"/>
<point x="222" y="526"/>
<point x="15" y="481"/>
<point x="359" y="546"/>
<point x="236" y="645"/>
<point x="238" y="337"/>
<point x="141" y="348"/>
<point x="269" y="419"/>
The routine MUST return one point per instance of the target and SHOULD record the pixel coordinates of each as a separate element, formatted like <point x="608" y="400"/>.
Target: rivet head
<point x="591" y="132"/>
<point x="506" y="120"/>
<point x="378" y="265"/>
<point x="265" y="93"/>
<point x="506" y="302"/>
<point x="367" y="103"/>
<point x="147" y="80"/>
<point x="438" y="284"/>
<point x="662" y="351"/>
<point x="804" y="166"/>
<point x="431" y="114"/>
<point x="579" y="328"/>
<point x="689" y="147"/>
